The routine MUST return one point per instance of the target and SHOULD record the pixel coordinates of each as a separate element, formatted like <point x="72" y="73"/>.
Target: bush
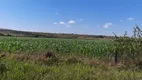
<point x="128" y="49"/>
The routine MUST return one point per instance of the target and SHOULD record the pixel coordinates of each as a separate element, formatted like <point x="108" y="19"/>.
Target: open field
<point x="68" y="59"/>
<point x="36" y="45"/>
<point x="70" y="40"/>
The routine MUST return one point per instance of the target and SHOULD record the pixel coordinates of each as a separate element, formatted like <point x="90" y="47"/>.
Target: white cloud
<point x="62" y="23"/>
<point x="68" y="24"/>
<point x="109" y="24"/>
<point x="71" y="22"/>
<point x="130" y="19"/>
<point x="55" y="23"/>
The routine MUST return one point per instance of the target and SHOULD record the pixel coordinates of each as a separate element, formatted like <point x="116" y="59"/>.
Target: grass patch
<point x="65" y="67"/>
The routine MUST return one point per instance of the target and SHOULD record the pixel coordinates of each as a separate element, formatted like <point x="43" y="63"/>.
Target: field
<point x="24" y="58"/>
<point x="37" y="45"/>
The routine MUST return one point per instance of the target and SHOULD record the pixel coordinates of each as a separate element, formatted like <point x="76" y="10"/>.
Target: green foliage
<point x="27" y="70"/>
<point x="21" y="70"/>
<point x="129" y="49"/>
<point x="37" y="45"/>
<point x="126" y="51"/>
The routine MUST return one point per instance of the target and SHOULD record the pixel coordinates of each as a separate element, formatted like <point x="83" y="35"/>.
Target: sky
<point x="95" y="17"/>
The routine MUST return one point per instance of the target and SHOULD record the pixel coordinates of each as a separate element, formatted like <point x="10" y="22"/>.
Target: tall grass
<point x="27" y="70"/>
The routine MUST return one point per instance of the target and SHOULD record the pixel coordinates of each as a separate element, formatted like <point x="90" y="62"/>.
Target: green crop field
<point x="36" y="45"/>
<point x="25" y="58"/>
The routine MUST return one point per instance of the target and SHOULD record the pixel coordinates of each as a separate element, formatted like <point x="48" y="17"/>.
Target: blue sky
<point x="97" y="17"/>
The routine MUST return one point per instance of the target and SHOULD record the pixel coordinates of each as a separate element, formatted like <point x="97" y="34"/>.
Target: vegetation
<point x="62" y="67"/>
<point x="23" y="58"/>
<point x="36" y="45"/>
<point x="7" y="32"/>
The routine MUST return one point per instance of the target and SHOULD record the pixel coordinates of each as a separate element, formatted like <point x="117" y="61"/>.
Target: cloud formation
<point x="107" y="25"/>
<point x="71" y="22"/>
<point x="62" y="23"/>
<point x="66" y="24"/>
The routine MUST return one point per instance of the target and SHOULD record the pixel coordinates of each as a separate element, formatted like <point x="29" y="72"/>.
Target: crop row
<point x="36" y="45"/>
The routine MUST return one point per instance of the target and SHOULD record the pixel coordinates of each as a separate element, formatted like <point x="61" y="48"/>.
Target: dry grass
<point x="50" y="57"/>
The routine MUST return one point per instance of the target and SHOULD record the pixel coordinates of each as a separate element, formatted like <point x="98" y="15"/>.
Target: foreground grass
<point x="63" y="67"/>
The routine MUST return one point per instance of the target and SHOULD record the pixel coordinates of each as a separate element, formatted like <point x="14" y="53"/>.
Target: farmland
<point x="25" y="58"/>
<point x="36" y="45"/>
